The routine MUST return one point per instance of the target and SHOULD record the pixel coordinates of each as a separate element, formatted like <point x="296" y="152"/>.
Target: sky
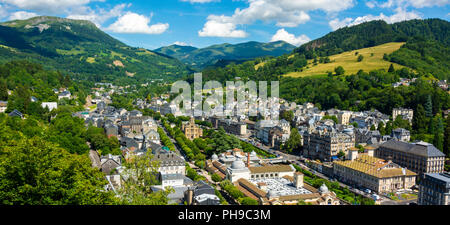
<point x="155" y="23"/>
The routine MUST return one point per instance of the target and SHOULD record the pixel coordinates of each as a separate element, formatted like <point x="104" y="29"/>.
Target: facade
<point x="406" y="114"/>
<point x="230" y="126"/>
<point x="344" y="117"/>
<point x="191" y="130"/>
<point x="401" y="134"/>
<point x="373" y="173"/>
<point x="170" y="163"/>
<point x="50" y="105"/>
<point x="434" y="189"/>
<point x="419" y="157"/>
<point x="326" y="145"/>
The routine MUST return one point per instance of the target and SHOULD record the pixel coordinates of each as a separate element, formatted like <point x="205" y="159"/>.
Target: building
<point x="3" y="106"/>
<point x="327" y="145"/>
<point x="64" y="94"/>
<point x="344" y="117"/>
<point x="230" y="126"/>
<point x="420" y="157"/>
<point x="401" y="134"/>
<point x="406" y="114"/>
<point x="109" y="164"/>
<point x="16" y="113"/>
<point x="191" y="130"/>
<point x="50" y="105"/>
<point x="434" y="189"/>
<point x="170" y="163"/>
<point x="287" y="190"/>
<point x="373" y="173"/>
<point x="201" y="194"/>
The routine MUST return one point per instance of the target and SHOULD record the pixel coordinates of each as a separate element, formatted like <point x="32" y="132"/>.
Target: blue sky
<point x="155" y="23"/>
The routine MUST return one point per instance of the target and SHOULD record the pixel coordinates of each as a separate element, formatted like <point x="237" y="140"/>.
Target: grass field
<point x="373" y="60"/>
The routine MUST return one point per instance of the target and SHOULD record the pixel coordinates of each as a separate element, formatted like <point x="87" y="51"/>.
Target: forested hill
<point x="80" y="48"/>
<point x="427" y="49"/>
<point x="376" y="33"/>
<point x="219" y="54"/>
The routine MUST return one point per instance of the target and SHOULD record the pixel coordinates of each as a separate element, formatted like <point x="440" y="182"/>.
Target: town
<point x="344" y="158"/>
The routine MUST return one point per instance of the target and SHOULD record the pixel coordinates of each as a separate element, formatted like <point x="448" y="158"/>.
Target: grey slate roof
<point x="421" y="148"/>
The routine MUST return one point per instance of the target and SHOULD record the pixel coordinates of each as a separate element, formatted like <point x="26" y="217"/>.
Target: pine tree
<point x="3" y="90"/>
<point x="429" y="107"/>
<point x="438" y="140"/>
<point x="447" y="138"/>
<point x="382" y="128"/>
<point x="419" y="119"/>
<point x="391" y="68"/>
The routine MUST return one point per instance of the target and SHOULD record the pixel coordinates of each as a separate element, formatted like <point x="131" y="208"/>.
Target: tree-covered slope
<point x="81" y="48"/>
<point x="201" y="58"/>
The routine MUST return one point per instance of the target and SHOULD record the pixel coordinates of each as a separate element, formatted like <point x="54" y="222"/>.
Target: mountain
<point x="201" y="58"/>
<point x="80" y="48"/>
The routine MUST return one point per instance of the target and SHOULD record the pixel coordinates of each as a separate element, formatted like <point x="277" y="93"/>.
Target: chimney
<point x="370" y="151"/>
<point x="352" y="154"/>
<point x="248" y="159"/>
<point x="189" y="196"/>
<point x="298" y="180"/>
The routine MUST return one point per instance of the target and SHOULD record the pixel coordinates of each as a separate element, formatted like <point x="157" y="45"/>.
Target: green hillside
<point x="82" y="49"/>
<point x="224" y="53"/>
<point x="372" y="60"/>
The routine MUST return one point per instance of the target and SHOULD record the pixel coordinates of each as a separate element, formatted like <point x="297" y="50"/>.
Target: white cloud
<point x="413" y="3"/>
<point x="98" y="17"/>
<point x="400" y="15"/>
<point x="22" y="15"/>
<point x="181" y="43"/>
<point x="200" y="1"/>
<point x="220" y="27"/>
<point x="285" y="13"/>
<point x="47" y="6"/>
<point x="371" y="4"/>
<point x="283" y="35"/>
<point x="3" y="12"/>
<point x="135" y="23"/>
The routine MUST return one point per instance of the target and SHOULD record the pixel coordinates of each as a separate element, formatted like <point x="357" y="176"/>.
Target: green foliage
<point x="216" y="178"/>
<point x="232" y="190"/>
<point x="361" y="58"/>
<point x="287" y="115"/>
<point x="37" y="172"/>
<point x="100" y="142"/>
<point x="334" y="118"/>
<point x="339" y="70"/>
<point x="294" y="142"/>
<point x="69" y="132"/>
<point x="248" y="201"/>
<point x="142" y="174"/>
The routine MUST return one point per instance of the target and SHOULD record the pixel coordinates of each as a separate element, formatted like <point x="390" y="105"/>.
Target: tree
<point x="37" y="172"/>
<point x="419" y="119"/>
<point x="339" y="70"/>
<point x="447" y="138"/>
<point x="360" y="58"/>
<point x="139" y="175"/>
<point x="341" y="154"/>
<point x="381" y="128"/>
<point x="391" y="68"/>
<point x="3" y="90"/>
<point x="249" y="201"/>
<point x="373" y="128"/>
<point x="216" y="178"/>
<point x="428" y="107"/>
<point x="288" y="116"/>
<point x="294" y="142"/>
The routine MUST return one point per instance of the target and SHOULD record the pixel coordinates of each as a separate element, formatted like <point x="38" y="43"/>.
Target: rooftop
<point x="420" y="148"/>
<point x="271" y="169"/>
<point x="375" y="167"/>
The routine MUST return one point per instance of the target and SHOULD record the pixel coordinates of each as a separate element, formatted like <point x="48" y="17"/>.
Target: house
<point x="201" y="194"/>
<point x="401" y="134"/>
<point x="50" y="105"/>
<point x="3" y="106"/>
<point x="16" y="113"/>
<point x="64" y="94"/>
<point x="109" y="164"/>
